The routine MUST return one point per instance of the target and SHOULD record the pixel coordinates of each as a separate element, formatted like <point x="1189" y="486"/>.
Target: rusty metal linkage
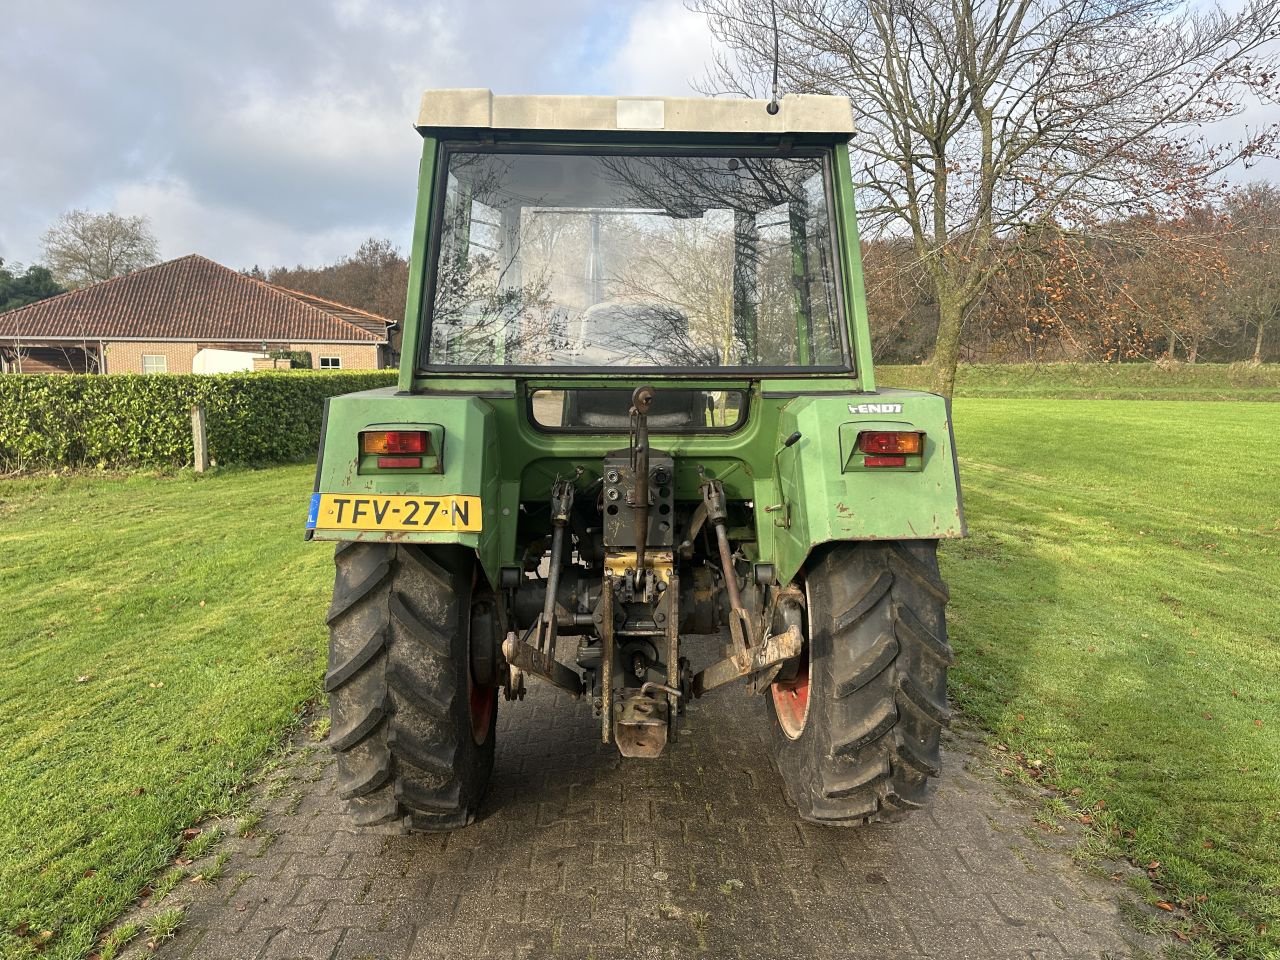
<point x="606" y="659"/>
<point x="531" y="660"/>
<point x="740" y="630"/>
<point x="641" y="400"/>
<point x="538" y="657"/>
<point x="745" y="659"/>
<point x="671" y="600"/>
<point x="774" y="650"/>
<point x="544" y="638"/>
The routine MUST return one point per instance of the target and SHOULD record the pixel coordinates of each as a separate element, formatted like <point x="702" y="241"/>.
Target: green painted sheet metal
<point x="851" y="262"/>
<point x="801" y="494"/>
<point x="418" y="272"/>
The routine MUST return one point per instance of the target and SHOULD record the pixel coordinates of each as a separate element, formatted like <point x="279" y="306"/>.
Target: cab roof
<point x="476" y="109"/>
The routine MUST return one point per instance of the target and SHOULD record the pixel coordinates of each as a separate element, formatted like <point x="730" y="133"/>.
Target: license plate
<point x="346" y="511"/>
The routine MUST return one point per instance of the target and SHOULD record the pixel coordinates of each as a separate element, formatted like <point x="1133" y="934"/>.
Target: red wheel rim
<point x="483" y="702"/>
<point x="791" y="700"/>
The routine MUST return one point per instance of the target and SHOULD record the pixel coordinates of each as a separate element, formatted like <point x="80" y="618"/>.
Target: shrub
<point x="131" y="420"/>
<point x="298" y="359"/>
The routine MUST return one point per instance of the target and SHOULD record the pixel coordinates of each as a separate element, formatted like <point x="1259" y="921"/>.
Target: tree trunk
<point x="1257" y="342"/>
<point x="946" y="350"/>
<point x="1195" y="349"/>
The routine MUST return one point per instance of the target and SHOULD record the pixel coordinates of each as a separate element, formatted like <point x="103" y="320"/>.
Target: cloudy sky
<point x="277" y="132"/>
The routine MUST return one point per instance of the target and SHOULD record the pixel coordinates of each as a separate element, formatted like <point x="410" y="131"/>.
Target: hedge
<point x="131" y="420"/>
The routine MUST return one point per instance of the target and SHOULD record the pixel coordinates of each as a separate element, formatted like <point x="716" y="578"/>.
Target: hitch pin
<point x="650" y="685"/>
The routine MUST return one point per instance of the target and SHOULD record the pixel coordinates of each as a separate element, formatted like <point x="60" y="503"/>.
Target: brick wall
<point x="125" y="356"/>
<point x="355" y="356"/>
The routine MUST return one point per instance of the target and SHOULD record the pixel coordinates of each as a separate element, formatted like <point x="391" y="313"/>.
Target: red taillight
<point x="394" y="441"/>
<point x="878" y="442"/>
<point x="398" y="463"/>
<point x="884" y="461"/>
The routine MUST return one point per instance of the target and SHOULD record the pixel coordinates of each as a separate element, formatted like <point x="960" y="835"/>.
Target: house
<point x="189" y="315"/>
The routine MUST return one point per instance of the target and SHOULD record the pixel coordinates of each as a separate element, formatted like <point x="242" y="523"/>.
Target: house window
<point x="330" y="363"/>
<point x="155" y="363"/>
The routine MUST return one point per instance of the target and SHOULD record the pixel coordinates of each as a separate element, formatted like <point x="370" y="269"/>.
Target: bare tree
<point x="83" y="247"/>
<point x="1253" y="299"/>
<point x="374" y="278"/>
<point x="981" y="118"/>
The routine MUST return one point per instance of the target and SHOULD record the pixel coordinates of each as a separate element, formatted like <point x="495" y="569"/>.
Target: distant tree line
<point x="1200" y="286"/>
<point x="19" y="287"/>
<point x="1200" y="283"/>
<point x="374" y="278"/>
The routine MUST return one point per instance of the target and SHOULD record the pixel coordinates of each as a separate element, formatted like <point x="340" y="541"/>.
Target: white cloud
<point x="238" y="238"/>
<point x="666" y="49"/>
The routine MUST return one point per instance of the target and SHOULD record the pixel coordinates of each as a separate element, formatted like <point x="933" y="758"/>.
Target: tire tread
<point x="401" y="717"/>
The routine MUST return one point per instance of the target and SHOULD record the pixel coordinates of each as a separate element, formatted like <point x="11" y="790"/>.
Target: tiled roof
<point x="192" y="298"/>
<point x="361" y="318"/>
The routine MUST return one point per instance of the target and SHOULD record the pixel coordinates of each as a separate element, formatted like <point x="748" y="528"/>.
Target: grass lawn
<point x="159" y="636"/>
<point x="1100" y="381"/>
<point x="1114" y="617"/>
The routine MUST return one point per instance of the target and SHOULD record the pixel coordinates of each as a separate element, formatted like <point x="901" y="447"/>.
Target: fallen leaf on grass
<point x="1164" y="905"/>
<point x="84" y="679"/>
<point x="191" y="833"/>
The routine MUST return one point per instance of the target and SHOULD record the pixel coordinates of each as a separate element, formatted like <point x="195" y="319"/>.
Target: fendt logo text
<point x="875" y="408"/>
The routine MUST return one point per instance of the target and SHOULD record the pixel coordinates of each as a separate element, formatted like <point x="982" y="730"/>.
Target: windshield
<point x="585" y="260"/>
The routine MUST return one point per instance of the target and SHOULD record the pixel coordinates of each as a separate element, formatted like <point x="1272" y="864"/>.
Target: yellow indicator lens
<point x="890" y="442"/>
<point x="394" y="441"/>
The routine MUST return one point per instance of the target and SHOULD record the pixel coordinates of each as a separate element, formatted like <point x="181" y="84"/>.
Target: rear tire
<point x="413" y="735"/>
<point x="857" y="733"/>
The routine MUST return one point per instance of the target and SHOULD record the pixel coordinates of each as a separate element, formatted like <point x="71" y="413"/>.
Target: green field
<point x="160" y="636"/>
<point x="1115" y="619"/>
<point x="1114" y="616"/>
<point x="1100" y="381"/>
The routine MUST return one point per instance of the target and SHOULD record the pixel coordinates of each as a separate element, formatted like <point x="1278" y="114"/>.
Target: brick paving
<point x="580" y="854"/>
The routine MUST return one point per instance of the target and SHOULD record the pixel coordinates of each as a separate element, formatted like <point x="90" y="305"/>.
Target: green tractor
<point x="636" y="404"/>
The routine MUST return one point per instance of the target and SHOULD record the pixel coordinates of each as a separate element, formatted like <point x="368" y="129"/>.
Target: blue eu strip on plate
<point x="313" y="512"/>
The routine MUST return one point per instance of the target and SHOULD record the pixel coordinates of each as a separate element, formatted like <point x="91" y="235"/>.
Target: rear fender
<point x="819" y="493"/>
<point x="468" y="464"/>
